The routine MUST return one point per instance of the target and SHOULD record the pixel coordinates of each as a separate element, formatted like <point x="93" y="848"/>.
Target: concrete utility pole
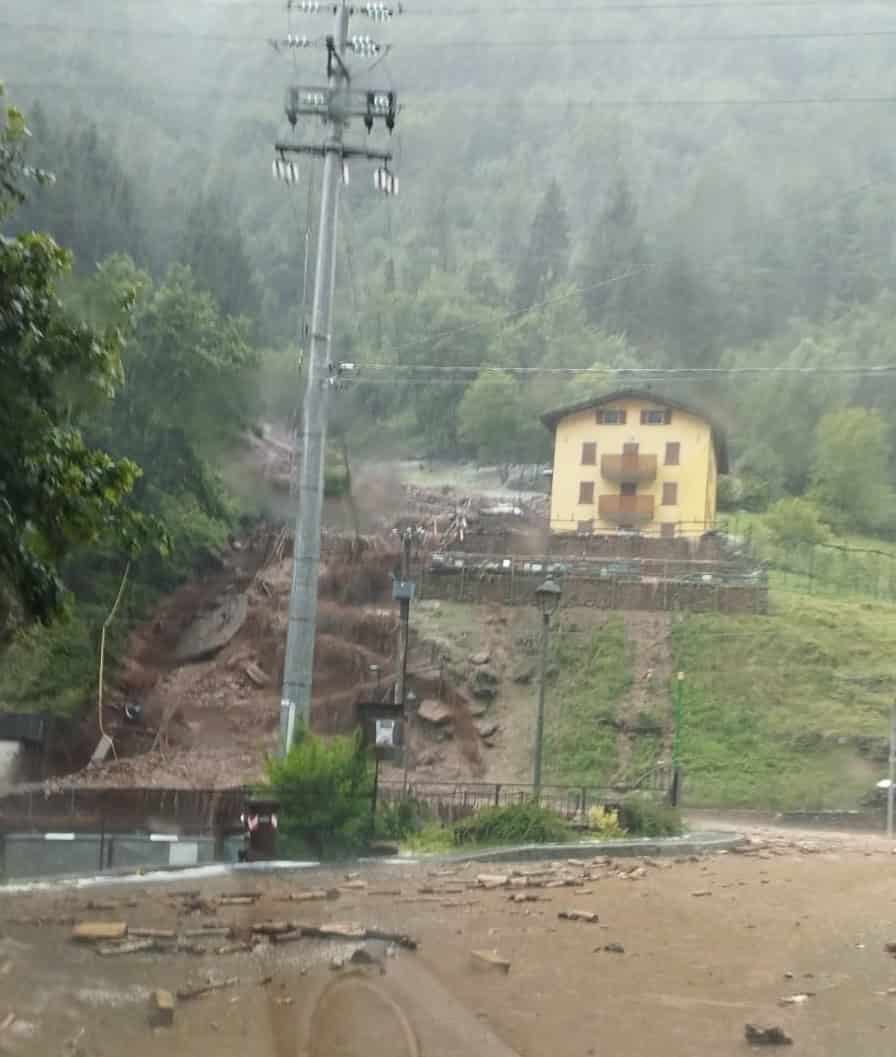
<point x="335" y="104"/>
<point x="892" y="770"/>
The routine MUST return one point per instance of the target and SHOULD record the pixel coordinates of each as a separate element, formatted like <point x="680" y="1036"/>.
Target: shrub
<point x="399" y="820"/>
<point x="643" y="817"/>
<point x="605" y="823"/>
<point x="324" y="787"/>
<point x="523" y="823"/>
<point x="793" y="521"/>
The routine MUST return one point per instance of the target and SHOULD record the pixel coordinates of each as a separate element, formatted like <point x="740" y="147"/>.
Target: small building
<point x="635" y="461"/>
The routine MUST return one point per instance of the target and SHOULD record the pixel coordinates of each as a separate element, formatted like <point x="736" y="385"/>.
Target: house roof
<point x="720" y="442"/>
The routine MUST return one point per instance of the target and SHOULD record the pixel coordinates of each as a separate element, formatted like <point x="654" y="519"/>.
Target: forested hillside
<point x="679" y="187"/>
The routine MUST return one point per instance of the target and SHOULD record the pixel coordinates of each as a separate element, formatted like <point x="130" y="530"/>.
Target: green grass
<point x="788" y="710"/>
<point x="594" y="673"/>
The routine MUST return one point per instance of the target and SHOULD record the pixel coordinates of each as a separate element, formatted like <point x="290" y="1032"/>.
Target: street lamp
<point x="548" y="597"/>
<point x="676" y="745"/>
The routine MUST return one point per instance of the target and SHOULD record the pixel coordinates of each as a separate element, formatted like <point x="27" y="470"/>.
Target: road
<point x="708" y="945"/>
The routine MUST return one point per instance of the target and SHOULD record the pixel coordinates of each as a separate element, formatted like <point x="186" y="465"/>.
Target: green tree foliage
<point x="850" y="472"/>
<point x="56" y="491"/>
<point x="215" y="250"/>
<point x="497" y="418"/>
<point x="190" y="387"/>
<point x="325" y="788"/>
<point x="794" y="521"/>
<point x="92" y="206"/>
<point x="616" y="248"/>
<point x="546" y="258"/>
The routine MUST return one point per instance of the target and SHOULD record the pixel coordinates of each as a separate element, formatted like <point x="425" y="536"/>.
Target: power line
<point x="407" y="375"/>
<point x="573" y="42"/>
<point x="478" y="103"/>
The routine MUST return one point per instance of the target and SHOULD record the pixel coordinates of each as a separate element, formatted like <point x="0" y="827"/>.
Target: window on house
<point x="670" y="493"/>
<point x="629" y="449"/>
<point x="585" y="528"/>
<point x="611" y="416"/>
<point x="673" y="453"/>
<point x="628" y="488"/>
<point x="586" y="491"/>
<point x="655" y="416"/>
<point x="589" y="453"/>
<point x="667" y="530"/>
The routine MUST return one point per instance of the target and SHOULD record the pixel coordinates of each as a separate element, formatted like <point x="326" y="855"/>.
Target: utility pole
<point x="335" y="104"/>
<point x="403" y="591"/>
<point x="892" y="770"/>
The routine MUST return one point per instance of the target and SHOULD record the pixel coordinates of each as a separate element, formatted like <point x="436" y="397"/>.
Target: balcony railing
<point x="628" y="468"/>
<point x="625" y="509"/>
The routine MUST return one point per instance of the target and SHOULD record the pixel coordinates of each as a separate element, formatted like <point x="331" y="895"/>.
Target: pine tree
<point x="546" y="258"/>
<point x="616" y="247"/>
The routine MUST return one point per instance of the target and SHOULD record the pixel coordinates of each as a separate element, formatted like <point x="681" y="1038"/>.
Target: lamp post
<point x="548" y="598"/>
<point x="676" y="744"/>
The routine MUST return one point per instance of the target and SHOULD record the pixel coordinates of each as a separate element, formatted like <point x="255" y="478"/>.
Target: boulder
<point x="480" y="658"/>
<point x="435" y="712"/>
<point x="486" y="728"/>
<point x="484" y="683"/>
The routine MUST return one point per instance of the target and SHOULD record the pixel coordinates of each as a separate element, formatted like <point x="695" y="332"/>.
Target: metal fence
<point x="453" y="800"/>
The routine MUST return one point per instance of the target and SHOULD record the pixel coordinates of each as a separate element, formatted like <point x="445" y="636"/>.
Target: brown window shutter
<point x="586" y="492"/>
<point x="668" y="416"/>
<point x="643" y="417"/>
<point x="673" y="453"/>
<point x="589" y="453"/>
<point x="670" y="493"/>
<point x="624" y="414"/>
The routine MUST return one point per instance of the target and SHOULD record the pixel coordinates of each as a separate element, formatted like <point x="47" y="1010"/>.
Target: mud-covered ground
<point x="707" y="946"/>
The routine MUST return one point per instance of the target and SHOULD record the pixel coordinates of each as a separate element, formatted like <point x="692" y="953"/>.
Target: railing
<point x="633" y="468"/>
<point x="453" y="800"/>
<point x="628" y="509"/>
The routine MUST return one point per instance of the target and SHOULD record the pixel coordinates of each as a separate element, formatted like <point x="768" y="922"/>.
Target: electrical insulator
<point x="284" y="170"/>
<point x="380" y="100"/>
<point x="292" y="106"/>
<point x="365" y="46"/>
<point x="378" y="12"/>
<point x="385" y="181"/>
<point x="345" y="173"/>
<point x="314" y="99"/>
<point x="310" y="7"/>
<point x="297" y="40"/>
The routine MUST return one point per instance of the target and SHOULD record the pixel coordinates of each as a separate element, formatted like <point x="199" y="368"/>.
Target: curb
<point x="689" y="844"/>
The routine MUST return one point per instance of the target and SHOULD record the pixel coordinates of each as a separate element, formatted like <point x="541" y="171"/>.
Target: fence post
<point x="497" y="794"/>
<point x="584" y="801"/>
<point x="463" y="573"/>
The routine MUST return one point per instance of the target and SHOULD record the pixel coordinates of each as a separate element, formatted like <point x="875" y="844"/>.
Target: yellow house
<point x="635" y="461"/>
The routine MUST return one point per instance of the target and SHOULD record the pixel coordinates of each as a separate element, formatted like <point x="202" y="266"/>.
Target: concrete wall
<point x="696" y="499"/>
<point x="33" y="855"/>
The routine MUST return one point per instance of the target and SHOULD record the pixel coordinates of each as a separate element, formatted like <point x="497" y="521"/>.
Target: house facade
<point x="635" y="461"/>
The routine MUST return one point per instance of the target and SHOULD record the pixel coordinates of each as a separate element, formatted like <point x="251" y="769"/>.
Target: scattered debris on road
<point x="484" y="959"/>
<point x="768" y="1036"/>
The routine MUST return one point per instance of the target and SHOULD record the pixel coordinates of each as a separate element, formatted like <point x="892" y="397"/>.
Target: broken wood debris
<point x="578" y="915"/>
<point x="766" y="1036"/>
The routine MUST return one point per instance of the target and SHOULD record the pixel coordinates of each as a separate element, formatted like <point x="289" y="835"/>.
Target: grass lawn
<point x="593" y="674"/>
<point x="788" y="710"/>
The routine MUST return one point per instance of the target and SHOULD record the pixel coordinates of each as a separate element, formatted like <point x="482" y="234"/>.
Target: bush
<point x="605" y="823"/>
<point x="643" y="817"/>
<point x="524" y="823"/>
<point x="794" y="521"/>
<point x="324" y="787"/>
<point x="402" y="819"/>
